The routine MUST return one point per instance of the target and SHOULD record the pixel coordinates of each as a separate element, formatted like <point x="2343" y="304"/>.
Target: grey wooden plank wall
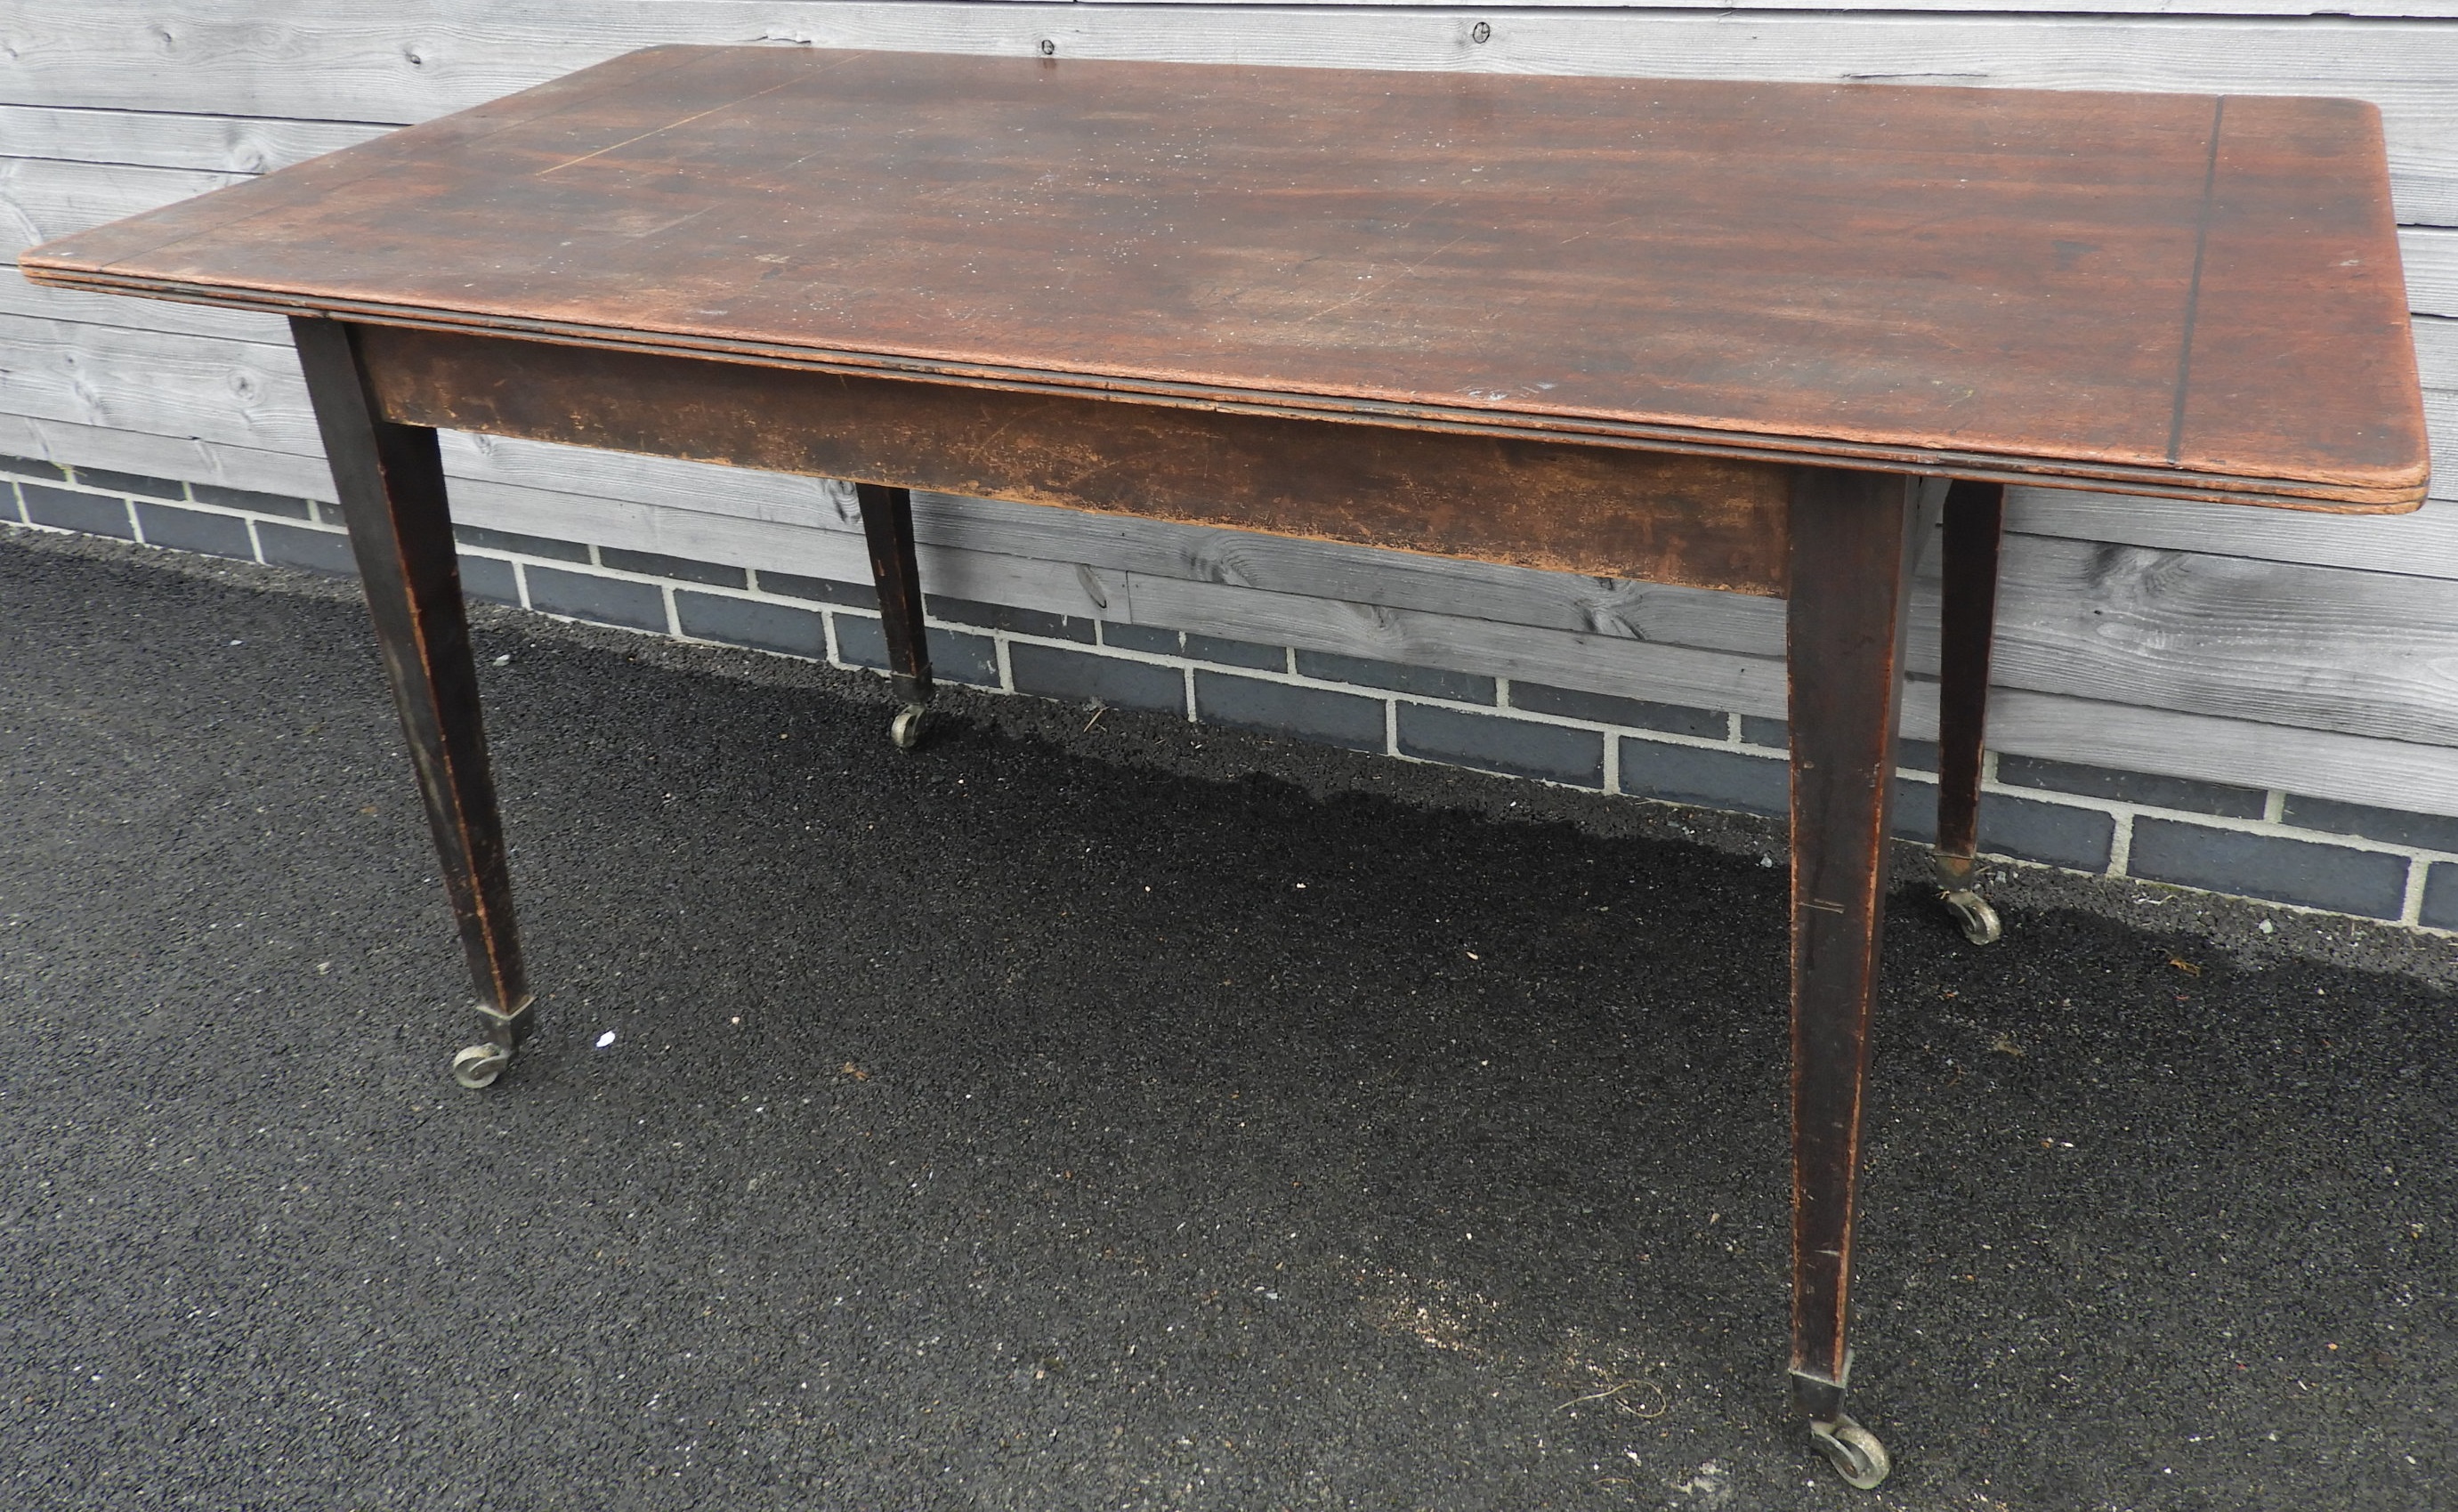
<point x="2271" y="650"/>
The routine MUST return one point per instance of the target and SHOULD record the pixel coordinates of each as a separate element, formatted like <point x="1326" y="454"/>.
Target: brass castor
<point x="1855" y="1452"/>
<point x="480" y="1064"/>
<point x="1979" y="922"/>
<point x="905" y="729"/>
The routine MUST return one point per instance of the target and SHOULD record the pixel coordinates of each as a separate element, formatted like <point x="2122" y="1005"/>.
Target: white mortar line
<point x="2410" y="905"/>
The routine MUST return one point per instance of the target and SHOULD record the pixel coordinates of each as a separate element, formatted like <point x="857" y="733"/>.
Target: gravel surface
<point x="1122" y="1116"/>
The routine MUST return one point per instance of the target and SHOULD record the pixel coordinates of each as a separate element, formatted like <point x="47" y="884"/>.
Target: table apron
<point x="1610" y="511"/>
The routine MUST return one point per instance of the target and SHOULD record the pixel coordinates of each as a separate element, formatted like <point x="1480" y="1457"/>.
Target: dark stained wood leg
<point x="1975" y="520"/>
<point x="888" y="525"/>
<point x="1852" y="553"/>
<point x="390" y="480"/>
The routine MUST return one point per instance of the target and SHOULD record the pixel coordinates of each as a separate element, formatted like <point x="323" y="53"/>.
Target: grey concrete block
<point x="750" y="622"/>
<point x="2287" y="871"/>
<point x="955" y="655"/>
<point x="513" y="543"/>
<point x="2133" y="787"/>
<point x="10" y="510"/>
<point x="2058" y="834"/>
<point x="1223" y="652"/>
<point x="325" y="552"/>
<point x="1499" y="743"/>
<point x="1708" y="777"/>
<point x="2428" y="832"/>
<point x="1425" y="682"/>
<point x="250" y="500"/>
<point x="1145" y="638"/>
<point x="681" y="569"/>
<point x="2441" y="897"/>
<point x="193" y="530"/>
<point x="131" y="483"/>
<point x="818" y="589"/>
<point x="30" y="467"/>
<point x="1776" y="735"/>
<point x="1913" y="816"/>
<point x="1219" y="650"/>
<point x="1010" y="618"/>
<point x="93" y="513"/>
<point x="1279" y="708"/>
<point x="605" y="600"/>
<point x="1087" y="676"/>
<point x="1772" y="733"/>
<point x="1631" y="713"/>
<point x="488" y="579"/>
<point x="327" y="512"/>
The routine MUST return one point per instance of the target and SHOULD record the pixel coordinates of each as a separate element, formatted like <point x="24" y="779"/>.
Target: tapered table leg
<point x="1852" y="554"/>
<point x="887" y="527"/>
<point x="1975" y="520"/>
<point x="390" y="480"/>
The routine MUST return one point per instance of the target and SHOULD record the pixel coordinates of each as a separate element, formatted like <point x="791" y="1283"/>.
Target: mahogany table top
<point x="2166" y="294"/>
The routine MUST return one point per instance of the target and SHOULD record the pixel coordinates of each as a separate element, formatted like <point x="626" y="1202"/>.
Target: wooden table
<point x="1721" y="334"/>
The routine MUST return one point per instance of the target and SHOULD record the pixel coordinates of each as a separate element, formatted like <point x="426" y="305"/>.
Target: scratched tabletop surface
<point x="2159" y="293"/>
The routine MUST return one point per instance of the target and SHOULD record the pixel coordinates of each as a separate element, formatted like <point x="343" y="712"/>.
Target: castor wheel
<point x="1855" y="1452"/>
<point x="480" y="1064"/>
<point x="1978" y="920"/>
<point x="905" y="729"/>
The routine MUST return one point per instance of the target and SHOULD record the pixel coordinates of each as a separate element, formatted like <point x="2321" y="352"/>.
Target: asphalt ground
<point x="1139" y="1115"/>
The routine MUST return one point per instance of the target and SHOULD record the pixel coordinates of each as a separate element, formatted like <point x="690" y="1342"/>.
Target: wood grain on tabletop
<point x="2171" y="293"/>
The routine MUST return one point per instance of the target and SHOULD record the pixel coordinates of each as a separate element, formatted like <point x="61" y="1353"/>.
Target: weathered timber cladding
<point x="2323" y="669"/>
